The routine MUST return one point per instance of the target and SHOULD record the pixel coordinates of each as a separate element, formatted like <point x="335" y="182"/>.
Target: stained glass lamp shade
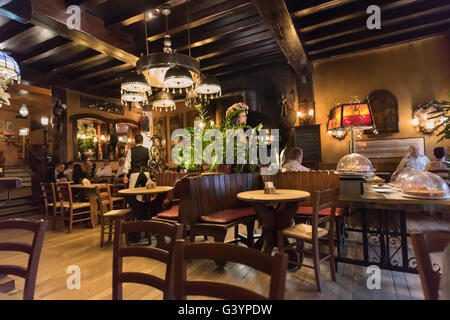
<point x="9" y="69"/>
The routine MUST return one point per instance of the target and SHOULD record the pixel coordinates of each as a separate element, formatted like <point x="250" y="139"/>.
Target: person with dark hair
<point x="78" y="174"/>
<point x="295" y="160"/>
<point x="56" y="174"/>
<point x="438" y="164"/>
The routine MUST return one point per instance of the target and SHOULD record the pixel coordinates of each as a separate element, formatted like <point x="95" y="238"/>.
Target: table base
<point x="385" y="237"/>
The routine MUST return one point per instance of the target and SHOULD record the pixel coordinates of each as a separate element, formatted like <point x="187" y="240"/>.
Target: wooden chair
<point x="118" y="202"/>
<point x="442" y="173"/>
<point x="163" y="253"/>
<point x="275" y="266"/>
<point x="425" y="243"/>
<point x="73" y="212"/>
<point x="313" y="233"/>
<point x="33" y="250"/>
<point x="108" y="216"/>
<point x="51" y="204"/>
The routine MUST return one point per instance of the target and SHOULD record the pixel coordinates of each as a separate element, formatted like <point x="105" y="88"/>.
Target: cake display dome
<point x="355" y="164"/>
<point x="400" y="176"/>
<point x="425" y="185"/>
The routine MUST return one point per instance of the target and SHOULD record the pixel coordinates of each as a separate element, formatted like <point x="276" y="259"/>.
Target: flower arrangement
<point x="87" y="137"/>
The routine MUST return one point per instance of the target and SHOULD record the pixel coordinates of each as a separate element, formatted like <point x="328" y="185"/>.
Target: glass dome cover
<point x="355" y="164"/>
<point x="425" y="185"/>
<point x="400" y="176"/>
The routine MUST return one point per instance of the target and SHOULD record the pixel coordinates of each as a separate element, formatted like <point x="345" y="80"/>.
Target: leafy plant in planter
<point x="444" y="114"/>
<point x="86" y="137"/>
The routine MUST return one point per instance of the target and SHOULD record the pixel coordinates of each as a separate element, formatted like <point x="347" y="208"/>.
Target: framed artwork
<point x="384" y="107"/>
<point x="160" y="130"/>
<point x="9" y="126"/>
<point x="388" y="148"/>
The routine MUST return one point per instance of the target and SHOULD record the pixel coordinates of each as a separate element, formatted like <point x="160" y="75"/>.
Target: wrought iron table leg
<point x="364" y="234"/>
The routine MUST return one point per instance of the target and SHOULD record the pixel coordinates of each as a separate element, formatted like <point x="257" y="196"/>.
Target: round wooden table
<point x="154" y="205"/>
<point x="276" y="211"/>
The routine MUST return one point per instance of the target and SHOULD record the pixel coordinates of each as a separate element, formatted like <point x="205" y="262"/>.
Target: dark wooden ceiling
<point x="227" y="36"/>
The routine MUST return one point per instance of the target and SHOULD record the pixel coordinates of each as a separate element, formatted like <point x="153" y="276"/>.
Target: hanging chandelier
<point x="135" y="82"/>
<point x="208" y="87"/>
<point x="154" y="66"/>
<point x="164" y="101"/>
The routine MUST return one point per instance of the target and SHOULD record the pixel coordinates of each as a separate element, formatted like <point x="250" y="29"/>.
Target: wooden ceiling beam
<point x="211" y="36"/>
<point x="320" y="7"/>
<point x="52" y="14"/>
<point x="398" y="23"/>
<point x="18" y="10"/>
<point x="90" y="75"/>
<point x="12" y="28"/>
<point x="391" y="38"/>
<point x="277" y="18"/>
<point x="202" y="17"/>
<point x="207" y="52"/>
<point x="233" y="70"/>
<point x="218" y="62"/>
<point x="122" y="22"/>
<point x="44" y="51"/>
<point x="79" y="63"/>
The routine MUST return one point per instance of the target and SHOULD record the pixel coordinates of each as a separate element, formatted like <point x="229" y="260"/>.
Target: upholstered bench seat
<point x="304" y="211"/>
<point x="172" y="213"/>
<point x="229" y="215"/>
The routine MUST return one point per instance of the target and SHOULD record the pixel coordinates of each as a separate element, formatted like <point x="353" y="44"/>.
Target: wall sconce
<point x="103" y="138"/>
<point x="120" y="139"/>
<point x="305" y="114"/>
<point x="44" y="121"/>
<point x="129" y="140"/>
<point x="427" y="118"/>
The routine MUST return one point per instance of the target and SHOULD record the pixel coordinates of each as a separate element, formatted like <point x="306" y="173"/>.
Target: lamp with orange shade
<point x="354" y="116"/>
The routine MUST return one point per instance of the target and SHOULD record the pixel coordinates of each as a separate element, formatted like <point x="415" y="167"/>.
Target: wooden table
<point x="8" y="183"/>
<point x="154" y="205"/>
<point x="388" y="205"/>
<point x="90" y="189"/>
<point x="276" y="211"/>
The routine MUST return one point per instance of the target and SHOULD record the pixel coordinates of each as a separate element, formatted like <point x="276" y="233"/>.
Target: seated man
<point x="414" y="159"/>
<point x="106" y="171"/>
<point x="57" y="175"/>
<point x="295" y="161"/>
<point x="119" y="173"/>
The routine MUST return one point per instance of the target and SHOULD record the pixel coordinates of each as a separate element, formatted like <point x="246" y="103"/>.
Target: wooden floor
<point x="81" y="248"/>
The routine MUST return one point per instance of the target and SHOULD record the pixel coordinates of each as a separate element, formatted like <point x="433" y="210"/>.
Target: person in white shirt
<point x="295" y="161"/>
<point x="414" y="159"/>
<point x="106" y="171"/>
<point x="68" y="172"/>
<point x="120" y="172"/>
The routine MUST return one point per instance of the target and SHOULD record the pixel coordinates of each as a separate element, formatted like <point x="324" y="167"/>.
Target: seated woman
<point x="438" y="164"/>
<point x="78" y="174"/>
<point x="295" y="161"/>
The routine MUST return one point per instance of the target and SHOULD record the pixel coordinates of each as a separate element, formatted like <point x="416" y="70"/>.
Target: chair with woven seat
<point x="424" y="244"/>
<point x="73" y="212"/>
<point x="108" y="216"/>
<point x="51" y="205"/>
<point x="163" y="253"/>
<point x="38" y="227"/>
<point x="118" y="202"/>
<point x="274" y="266"/>
<point x="314" y="234"/>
